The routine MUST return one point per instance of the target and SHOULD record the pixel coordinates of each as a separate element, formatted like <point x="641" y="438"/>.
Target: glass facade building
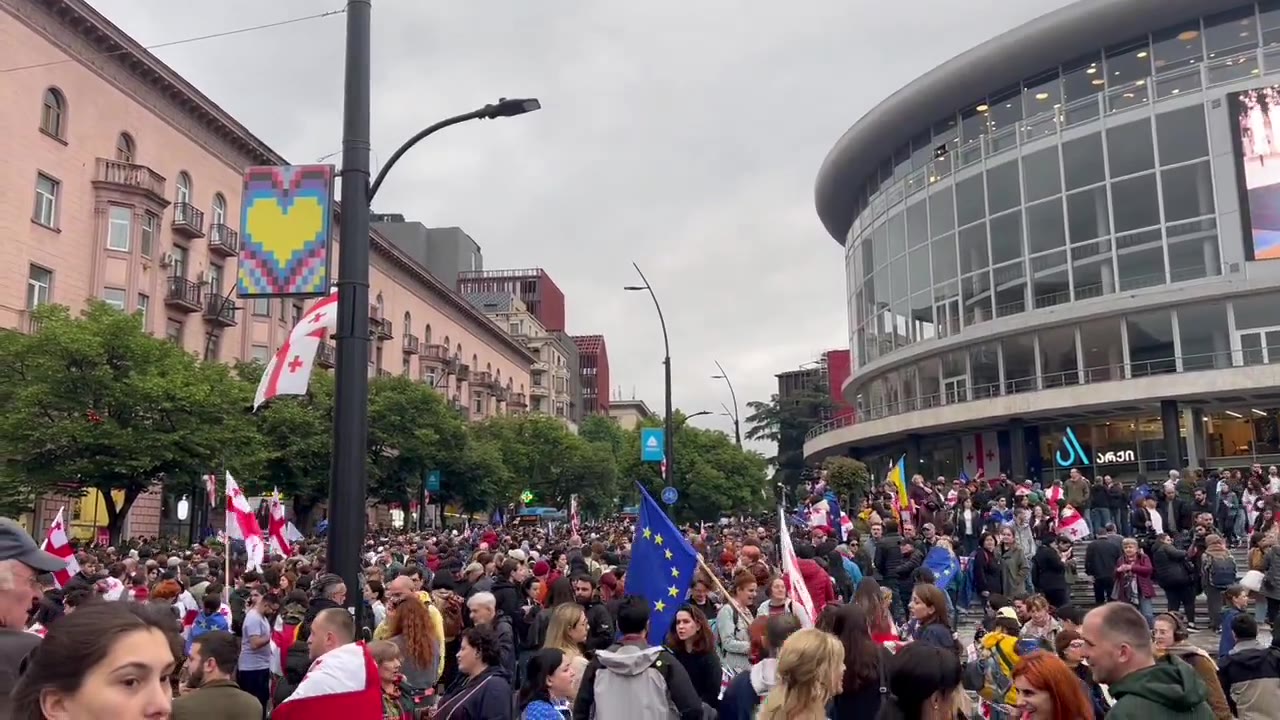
<point x="1079" y="226"/>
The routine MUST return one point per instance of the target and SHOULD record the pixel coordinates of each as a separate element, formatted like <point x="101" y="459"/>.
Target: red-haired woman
<point x="1048" y="690"/>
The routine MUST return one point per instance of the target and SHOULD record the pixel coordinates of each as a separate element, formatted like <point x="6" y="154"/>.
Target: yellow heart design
<point x="282" y="233"/>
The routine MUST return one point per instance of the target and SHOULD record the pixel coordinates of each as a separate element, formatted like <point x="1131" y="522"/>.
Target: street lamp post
<point x="669" y="452"/>
<point x="737" y="431"/>
<point x="351" y="397"/>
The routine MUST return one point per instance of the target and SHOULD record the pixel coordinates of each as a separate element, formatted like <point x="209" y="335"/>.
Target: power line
<point x="171" y="43"/>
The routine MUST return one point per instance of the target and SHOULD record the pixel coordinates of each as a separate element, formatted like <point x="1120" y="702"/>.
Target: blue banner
<point x="651" y="445"/>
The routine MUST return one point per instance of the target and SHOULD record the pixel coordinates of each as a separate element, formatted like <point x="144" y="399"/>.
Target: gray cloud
<point x="683" y="136"/>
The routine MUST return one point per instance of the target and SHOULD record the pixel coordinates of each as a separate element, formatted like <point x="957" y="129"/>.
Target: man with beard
<point x="212" y="694"/>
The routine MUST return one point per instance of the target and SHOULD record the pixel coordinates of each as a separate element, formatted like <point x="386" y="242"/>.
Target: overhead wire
<point x="184" y="41"/>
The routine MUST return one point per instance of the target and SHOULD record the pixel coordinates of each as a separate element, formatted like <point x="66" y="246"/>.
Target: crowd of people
<point x="497" y="623"/>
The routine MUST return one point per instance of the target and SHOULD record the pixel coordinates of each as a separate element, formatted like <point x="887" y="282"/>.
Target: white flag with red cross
<point x="289" y="370"/>
<point x="242" y="524"/>
<point x="57" y="544"/>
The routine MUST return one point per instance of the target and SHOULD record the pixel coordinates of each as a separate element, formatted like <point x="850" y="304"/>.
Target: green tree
<point x="94" y="402"/>
<point x="475" y="479"/>
<point x="544" y="457"/>
<point x="849" y="479"/>
<point x="785" y="424"/>
<point x="411" y="431"/>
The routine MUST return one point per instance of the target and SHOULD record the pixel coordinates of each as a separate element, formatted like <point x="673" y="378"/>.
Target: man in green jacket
<point x="212" y="694"/>
<point x="1120" y="653"/>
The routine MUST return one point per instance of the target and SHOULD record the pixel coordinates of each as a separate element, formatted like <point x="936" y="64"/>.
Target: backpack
<point x="638" y="696"/>
<point x="1222" y="573"/>
<point x="1257" y="559"/>
<point x="450" y="606"/>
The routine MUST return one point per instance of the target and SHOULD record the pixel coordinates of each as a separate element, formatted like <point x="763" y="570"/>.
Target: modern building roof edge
<point x="1052" y="39"/>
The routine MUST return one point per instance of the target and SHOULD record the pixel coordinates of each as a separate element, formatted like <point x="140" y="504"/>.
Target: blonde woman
<point x="567" y="632"/>
<point x="810" y="673"/>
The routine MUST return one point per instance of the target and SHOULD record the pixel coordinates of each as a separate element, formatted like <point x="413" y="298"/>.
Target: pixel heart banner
<point x="286" y="221"/>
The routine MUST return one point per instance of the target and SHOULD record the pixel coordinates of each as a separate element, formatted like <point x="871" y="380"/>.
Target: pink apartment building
<point x="123" y="182"/>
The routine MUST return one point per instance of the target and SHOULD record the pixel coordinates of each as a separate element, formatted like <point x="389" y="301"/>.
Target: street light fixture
<point x="347" y="476"/>
<point x="737" y="428"/>
<point x="669" y="452"/>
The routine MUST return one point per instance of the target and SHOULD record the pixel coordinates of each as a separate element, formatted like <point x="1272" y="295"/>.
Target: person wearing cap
<point x="21" y="564"/>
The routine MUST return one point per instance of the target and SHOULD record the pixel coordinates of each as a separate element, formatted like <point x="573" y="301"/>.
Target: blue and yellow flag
<point x="898" y="479"/>
<point x="662" y="567"/>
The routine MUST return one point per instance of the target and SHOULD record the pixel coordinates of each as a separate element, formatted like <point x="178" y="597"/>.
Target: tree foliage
<point x="848" y="478"/>
<point x="785" y="424"/>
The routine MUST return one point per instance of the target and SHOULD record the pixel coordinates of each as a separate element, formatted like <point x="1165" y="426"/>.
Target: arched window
<point x="488" y="367"/>
<point x="184" y="188"/>
<point x="219" y="210"/>
<point x="446" y="344"/>
<point x="426" y="336"/>
<point x="498" y="376"/>
<point x="408" y="323"/>
<point x="381" y="306"/>
<point x="53" y="116"/>
<point x="475" y="362"/>
<point x="126" y="150"/>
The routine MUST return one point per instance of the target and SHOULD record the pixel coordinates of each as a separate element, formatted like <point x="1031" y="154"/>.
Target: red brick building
<point x="593" y="373"/>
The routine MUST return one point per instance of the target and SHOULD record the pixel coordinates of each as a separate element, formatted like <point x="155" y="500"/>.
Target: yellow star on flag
<point x="675" y="572"/>
<point x="673" y="591"/>
<point x="658" y="538"/>
<point x="659" y="606"/>
<point x="668" y="554"/>
<point x="647" y="533"/>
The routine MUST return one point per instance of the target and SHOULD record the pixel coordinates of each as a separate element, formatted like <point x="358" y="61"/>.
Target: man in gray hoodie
<point x="748" y="689"/>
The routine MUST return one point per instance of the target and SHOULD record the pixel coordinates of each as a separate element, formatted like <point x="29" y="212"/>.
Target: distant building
<point x="629" y="413"/>
<point x="444" y="252"/>
<point x="593" y="358"/>
<point x="573" y="362"/>
<point x="533" y="286"/>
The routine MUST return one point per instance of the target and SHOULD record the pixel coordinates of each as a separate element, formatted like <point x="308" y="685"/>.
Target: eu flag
<point x="661" y="569"/>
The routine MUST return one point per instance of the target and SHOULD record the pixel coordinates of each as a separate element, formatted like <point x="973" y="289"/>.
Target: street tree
<point x="849" y="479"/>
<point x="411" y="431"/>
<point x="94" y="402"/>
<point x="785" y="423"/>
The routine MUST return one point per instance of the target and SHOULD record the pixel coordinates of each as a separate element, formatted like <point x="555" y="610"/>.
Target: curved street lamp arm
<point x="661" y="320"/>
<point x="382" y="174"/>
<point x="733" y="395"/>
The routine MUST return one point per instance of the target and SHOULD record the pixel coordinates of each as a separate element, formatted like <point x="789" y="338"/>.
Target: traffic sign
<point x="651" y="445"/>
<point x="670" y="495"/>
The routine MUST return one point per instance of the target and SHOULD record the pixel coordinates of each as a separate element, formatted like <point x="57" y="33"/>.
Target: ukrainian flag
<point x="898" y="478"/>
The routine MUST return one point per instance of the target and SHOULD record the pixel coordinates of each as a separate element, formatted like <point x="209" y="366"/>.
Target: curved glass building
<point x="1057" y="249"/>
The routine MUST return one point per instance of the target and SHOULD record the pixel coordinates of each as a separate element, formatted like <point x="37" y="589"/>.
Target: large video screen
<point x="1256" y="119"/>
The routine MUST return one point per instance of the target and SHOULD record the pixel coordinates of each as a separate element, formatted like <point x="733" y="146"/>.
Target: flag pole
<point x="720" y="588"/>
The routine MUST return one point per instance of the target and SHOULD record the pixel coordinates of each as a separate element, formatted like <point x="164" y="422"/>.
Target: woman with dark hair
<point x="928" y="609"/>
<point x="988" y="576"/>
<point x="483" y="689"/>
<point x="694" y="645"/>
<point x="549" y="681"/>
<point x="870" y="598"/>
<point x="865" y="665"/>
<point x="108" y="659"/>
<point x="924" y="684"/>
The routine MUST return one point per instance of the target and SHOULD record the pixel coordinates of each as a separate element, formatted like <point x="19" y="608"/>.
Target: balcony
<point x="188" y="220"/>
<point x="539" y="391"/>
<point x="540" y="366"/>
<point x="482" y="380"/>
<point x="410" y="344"/>
<point x="462" y="373"/>
<point x="384" y="373"/>
<point x="30" y="324"/>
<point x="500" y="393"/>
<point x="183" y="294"/>
<point x="219" y="310"/>
<point x="380" y="328"/>
<point x="326" y="355"/>
<point x="435" y="355"/>
<point x="517" y="401"/>
<point x="128" y="177"/>
<point x="223" y="240"/>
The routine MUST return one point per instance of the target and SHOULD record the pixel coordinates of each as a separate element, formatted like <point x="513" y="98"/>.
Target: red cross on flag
<point x="289" y="371"/>
<point x="242" y="524"/>
<point x="981" y="454"/>
<point x="57" y="544"/>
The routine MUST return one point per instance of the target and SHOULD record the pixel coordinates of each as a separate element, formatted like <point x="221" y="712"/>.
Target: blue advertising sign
<point x="433" y="481"/>
<point x="670" y="495"/>
<point x="651" y="445"/>
<point x="1075" y="453"/>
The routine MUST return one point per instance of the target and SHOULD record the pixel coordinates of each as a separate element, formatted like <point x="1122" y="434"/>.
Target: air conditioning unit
<point x="166" y="260"/>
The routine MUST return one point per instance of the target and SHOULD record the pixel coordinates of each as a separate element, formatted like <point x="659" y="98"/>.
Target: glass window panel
<point x="1041" y="103"/>
<point x="1231" y="32"/>
<point x="1140" y="259"/>
<point x="1256" y="311"/>
<point x="1003" y="188"/>
<point x="1082" y="82"/>
<point x="1193" y="250"/>
<point x="973" y="127"/>
<point x="971" y="205"/>
<point x="948" y="291"/>
<point x="1202" y="331"/>
<point x="1188" y="192"/>
<point x="897" y="235"/>
<point x="898" y="278"/>
<point x="921" y="309"/>
<point x="1011" y="297"/>
<point x="976" y="292"/>
<point x="918" y="263"/>
<point x="984" y="365"/>
<point x="1087" y="214"/>
<point x="973" y="248"/>
<point x="1129" y="148"/>
<point x="880" y="245"/>
<point x="1046" y="230"/>
<point x="1092" y="274"/>
<point x="1019" y="354"/>
<point x="1040" y="174"/>
<point x="1151" y="348"/>
<point x="1004" y="116"/>
<point x="1269" y="16"/>
<point x="1231" y="69"/>
<point x="943" y="253"/>
<point x="901" y="162"/>
<point x="917" y="225"/>
<point x="1006" y="237"/>
<point x="868" y="256"/>
<point x="1127" y="71"/>
<point x="1049" y="280"/>
<point x="945" y="130"/>
<point x="881" y="290"/>
<point x="1135" y="203"/>
<point x="1082" y="161"/>
<point x="1177" y="55"/>
<point x="1102" y="349"/>
<point x="1251" y="345"/>
<point x="1059" y="363"/>
<point x="942" y="212"/>
<point x="921" y="150"/>
<point x="1181" y="135"/>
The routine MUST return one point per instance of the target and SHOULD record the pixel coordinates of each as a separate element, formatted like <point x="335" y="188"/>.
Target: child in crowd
<point x="1235" y="600"/>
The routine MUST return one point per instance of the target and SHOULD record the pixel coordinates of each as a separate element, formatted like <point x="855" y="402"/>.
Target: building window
<point x="179" y="268"/>
<point x="426" y="337"/>
<point x="119" y="228"/>
<point x="214" y="280"/>
<point x="114" y="297"/>
<point x="144" y="308"/>
<point x="39" y="283"/>
<point x="46" y="210"/>
<point x="184" y="188"/>
<point x="219" y="212"/>
<point x="404" y="366"/>
<point x="261" y="307"/>
<point x="211" y="347"/>
<point x="430" y="377"/>
<point x="53" y="114"/>
<point x="259" y="354"/>
<point x="173" y="331"/>
<point x="126" y="151"/>
<point x="297" y="315"/>
<point x="477" y="403"/>
<point x="148" y="235"/>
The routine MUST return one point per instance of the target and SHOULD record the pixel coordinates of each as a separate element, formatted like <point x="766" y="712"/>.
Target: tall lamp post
<point x="351" y="398"/>
<point x="737" y="431"/>
<point x="668" y="452"/>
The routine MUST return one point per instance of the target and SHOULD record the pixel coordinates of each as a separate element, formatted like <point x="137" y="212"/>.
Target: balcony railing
<point x="183" y="294"/>
<point x="223" y="240"/>
<point x="517" y="401"/>
<point x="410" y="344"/>
<point x="384" y="373"/>
<point x="435" y="354"/>
<point x="463" y="373"/>
<point x="482" y="379"/>
<point x="188" y="220"/>
<point x="128" y="176"/>
<point x="219" y="310"/>
<point x="326" y="355"/>
<point x="381" y="328"/>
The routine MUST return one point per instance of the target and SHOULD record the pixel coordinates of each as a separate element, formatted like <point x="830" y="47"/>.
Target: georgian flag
<point x="277" y="525"/>
<point x="242" y="524"/>
<point x="1073" y="525"/>
<point x="289" y="370"/>
<point x="211" y="488"/>
<point x="341" y="685"/>
<point x="57" y="544"/>
<point x="1054" y="497"/>
<point x="797" y="591"/>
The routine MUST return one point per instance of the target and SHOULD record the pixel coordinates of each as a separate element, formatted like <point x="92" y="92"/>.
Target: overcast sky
<point x="682" y="136"/>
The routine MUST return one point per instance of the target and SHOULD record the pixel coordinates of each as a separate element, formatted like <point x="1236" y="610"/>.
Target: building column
<point x="1172" y="437"/>
<point x="912" y="448"/>
<point x="1018" y="450"/>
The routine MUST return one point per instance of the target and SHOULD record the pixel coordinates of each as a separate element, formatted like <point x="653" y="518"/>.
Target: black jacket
<point x="704" y="673"/>
<point x="1101" y="557"/>
<point x="599" y="626"/>
<point x="507" y="598"/>
<point x="1169" y="566"/>
<point x="1099" y="498"/>
<point x="1183" y="514"/>
<point x="988" y="575"/>
<point x="487" y="696"/>
<point x="889" y="556"/>
<point x="1048" y="572"/>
